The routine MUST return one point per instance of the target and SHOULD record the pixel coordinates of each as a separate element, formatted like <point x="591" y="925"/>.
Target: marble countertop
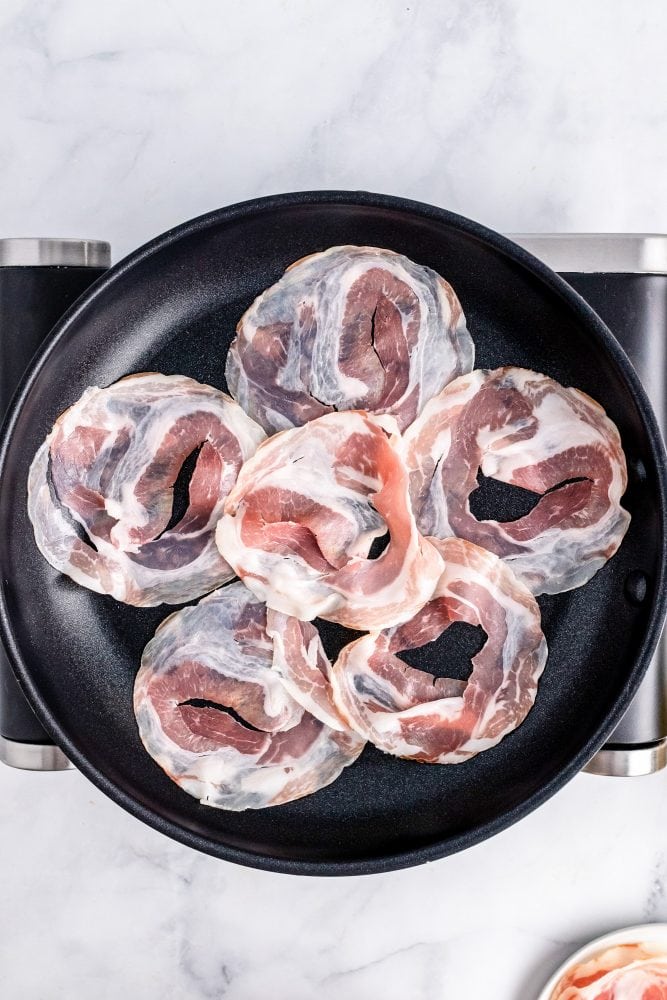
<point x="120" y="120"/>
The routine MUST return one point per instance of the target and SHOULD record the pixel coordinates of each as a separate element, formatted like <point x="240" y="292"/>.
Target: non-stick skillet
<point x="172" y="306"/>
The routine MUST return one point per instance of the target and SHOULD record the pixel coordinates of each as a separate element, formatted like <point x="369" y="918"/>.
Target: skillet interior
<point x="173" y="307"/>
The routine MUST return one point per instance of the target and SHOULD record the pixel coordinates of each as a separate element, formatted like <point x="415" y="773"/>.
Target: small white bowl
<point x="640" y="934"/>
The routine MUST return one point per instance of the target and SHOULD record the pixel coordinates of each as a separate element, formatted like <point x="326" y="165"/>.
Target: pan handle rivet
<point x="636" y="587"/>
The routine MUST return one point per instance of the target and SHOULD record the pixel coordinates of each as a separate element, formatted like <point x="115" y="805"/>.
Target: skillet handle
<point x="39" y="280"/>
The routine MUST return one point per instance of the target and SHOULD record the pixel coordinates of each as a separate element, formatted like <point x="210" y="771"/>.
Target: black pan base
<point x="172" y="307"/>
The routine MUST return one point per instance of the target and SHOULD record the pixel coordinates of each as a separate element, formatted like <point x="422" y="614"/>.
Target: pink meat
<point x="350" y="328"/>
<point x="622" y="972"/>
<point x="305" y="669"/>
<point x="524" y="429"/>
<point x="110" y="464"/>
<point x="410" y="713"/>
<point x="300" y="521"/>
<point x="216" y="716"/>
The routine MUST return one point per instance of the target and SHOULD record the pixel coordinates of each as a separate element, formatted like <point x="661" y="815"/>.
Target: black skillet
<point x="172" y="307"/>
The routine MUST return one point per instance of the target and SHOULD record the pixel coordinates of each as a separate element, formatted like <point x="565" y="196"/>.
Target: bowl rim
<point x="635" y="934"/>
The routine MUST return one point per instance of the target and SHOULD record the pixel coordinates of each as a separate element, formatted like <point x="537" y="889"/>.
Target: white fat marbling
<point x="122" y="119"/>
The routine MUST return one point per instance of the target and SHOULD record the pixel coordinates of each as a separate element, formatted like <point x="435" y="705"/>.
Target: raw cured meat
<point x="109" y="466"/>
<point x="623" y="972"/>
<point x="305" y="669"/>
<point x="348" y="329"/>
<point x="412" y="714"/>
<point x="300" y="521"/>
<point x="525" y="429"/>
<point x="357" y="511"/>
<point x="212" y="658"/>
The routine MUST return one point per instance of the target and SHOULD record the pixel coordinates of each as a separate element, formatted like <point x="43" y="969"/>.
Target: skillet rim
<point x="442" y="846"/>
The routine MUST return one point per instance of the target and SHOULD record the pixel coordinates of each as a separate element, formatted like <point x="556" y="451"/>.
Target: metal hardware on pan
<point x="591" y="253"/>
<point x="36" y="252"/>
<point x="629" y="761"/>
<point x="33" y="756"/>
<point x="51" y="273"/>
<point x="637" y="746"/>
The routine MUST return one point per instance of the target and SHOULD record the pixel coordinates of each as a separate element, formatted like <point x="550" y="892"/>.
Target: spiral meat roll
<point x="347" y="329"/>
<point x="301" y="519"/>
<point x="218" y="719"/>
<point x="441" y="720"/>
<point x="100" y="491"/>
<point x="527" y="430"/>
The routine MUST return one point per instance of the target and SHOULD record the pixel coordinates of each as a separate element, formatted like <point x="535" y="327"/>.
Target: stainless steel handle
<point x="40" y="252"/>
<point x="39" y="279"/>
<point x="598" y="253"/>
<point x="629" y="760"/>
<point x="593" y="263"/>
<point x="33" y="756"/>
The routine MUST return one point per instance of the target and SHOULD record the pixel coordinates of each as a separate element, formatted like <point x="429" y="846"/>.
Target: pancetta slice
<point x="300" y="660"/>
<point x="622" y="972"/>
<point x="527" y="430"/>
<point x="109" y="466"/>
<point x="300" y="521"/>
<point x="347" y="329"/>
<point x="410" y="713"/>
<point x="218" y="719"/>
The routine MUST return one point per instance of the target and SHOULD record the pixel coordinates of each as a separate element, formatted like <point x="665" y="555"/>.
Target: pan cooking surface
<point x="173" y="307"/>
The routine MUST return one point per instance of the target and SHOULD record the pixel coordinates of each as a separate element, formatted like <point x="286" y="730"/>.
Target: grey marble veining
<point x="123" y="121"/>
<point x="120" y="120"/>
<point x="98" y="905"/>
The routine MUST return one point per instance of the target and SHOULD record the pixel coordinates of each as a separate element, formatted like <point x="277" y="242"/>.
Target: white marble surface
<point x="122" y="119"/>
